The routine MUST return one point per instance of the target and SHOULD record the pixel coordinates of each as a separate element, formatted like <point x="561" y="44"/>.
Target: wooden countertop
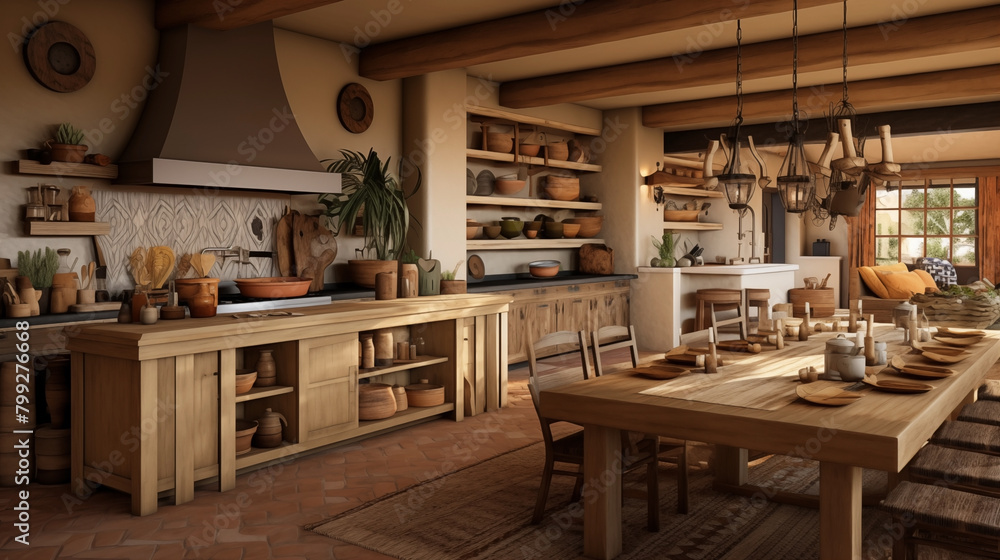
<point x="142" y="342"/>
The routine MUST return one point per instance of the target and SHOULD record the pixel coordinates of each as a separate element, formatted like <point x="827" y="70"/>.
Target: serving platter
<point x="931" y="372"/>
<point x="944" y="354"/>
<point x="957" y="340"/>
<point x="897" y="385"/>
<point x="959" y="334"/>
<point x="659" y="372"/>
<point x="827" y="395"/>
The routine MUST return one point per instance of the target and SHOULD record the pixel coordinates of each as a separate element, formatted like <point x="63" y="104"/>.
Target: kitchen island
<point x="154" y="406"/>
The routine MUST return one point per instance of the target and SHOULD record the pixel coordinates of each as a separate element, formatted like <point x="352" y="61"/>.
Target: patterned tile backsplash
<point x="187" y="223"/>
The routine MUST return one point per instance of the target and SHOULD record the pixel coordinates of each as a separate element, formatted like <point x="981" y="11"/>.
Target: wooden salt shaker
<point x="804" y="325"/>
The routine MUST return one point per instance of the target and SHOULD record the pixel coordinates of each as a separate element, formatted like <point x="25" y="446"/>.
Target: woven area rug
<point x="483" y="511"/>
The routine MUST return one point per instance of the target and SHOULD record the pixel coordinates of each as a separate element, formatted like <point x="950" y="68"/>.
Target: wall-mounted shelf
<point x="692" y="191"/>
<point x="695" y="226"/>
<point x="66" y="228"/>
<point x="530" y="202"/>
<point x="552" y="163"/>
<point x="500" y="244"/>
<point x="492" y="113"/>
<point x="64" y="169"/>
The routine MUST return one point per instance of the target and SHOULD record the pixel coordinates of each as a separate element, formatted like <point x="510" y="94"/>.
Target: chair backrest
<point x="606" y="339"/>
<point x="573" y="366"/>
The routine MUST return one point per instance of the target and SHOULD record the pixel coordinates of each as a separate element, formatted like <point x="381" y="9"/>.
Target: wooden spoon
<point x="897" y="362"/>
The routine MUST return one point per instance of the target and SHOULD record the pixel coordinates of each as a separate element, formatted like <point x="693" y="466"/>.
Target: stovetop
<point x="236" y="303"/>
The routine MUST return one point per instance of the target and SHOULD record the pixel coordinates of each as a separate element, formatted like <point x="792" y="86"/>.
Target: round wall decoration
<point x="60" y="57"/>
<point x="355" y="108"/>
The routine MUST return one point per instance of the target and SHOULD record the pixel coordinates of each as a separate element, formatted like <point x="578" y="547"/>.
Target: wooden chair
<point x="990" y="390"/>
<point x="943" y="518"/>
<point x="959" y="469"/>
<point x="968" y="435"/>
<point x="569" y="449"/>
<point x="981" y="412"/>
<point x="614" y="337"/>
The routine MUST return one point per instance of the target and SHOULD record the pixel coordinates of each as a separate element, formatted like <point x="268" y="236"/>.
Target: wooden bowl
<point x="507" y="186"/>
<point x="570" y="230"/>
<point x="244" y="380"/>
<point x="553" y="230"/>
<point x="543" y="269"/>
<point x="273" y="287"/>
<point x="472" y="231"/>
<point x="375" y="401"/>
<point x="502" y="142"/>
<point x="562" y="188"/>
<point x="424" y="394"/>
<point x="590" y="226"/>
<point x="530" y="150"/>
<point x="491" y="232"/>
<point x="558" y="151"/>
<point x="681" y="215"/>
<point x="533" y="226"/>
<point x="172" y="312"/>
<point x="245" y="430"/>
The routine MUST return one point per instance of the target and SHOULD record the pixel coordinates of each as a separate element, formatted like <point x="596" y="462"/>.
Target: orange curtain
<point x="861" y="242"/>
<point x="989" y="233"/>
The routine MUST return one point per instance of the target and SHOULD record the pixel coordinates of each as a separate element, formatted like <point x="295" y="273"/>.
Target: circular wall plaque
<point x="60" y="57"/>
<point x="355" y="109"/>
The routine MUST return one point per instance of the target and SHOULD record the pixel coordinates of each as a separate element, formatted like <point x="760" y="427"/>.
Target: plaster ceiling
<point x="359" y="21"/>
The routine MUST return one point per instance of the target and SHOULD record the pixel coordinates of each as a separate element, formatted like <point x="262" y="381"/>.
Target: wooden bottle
<point x="711" y="364"/>
<point x="383" y="347"/>
<point x="804" y="325"/>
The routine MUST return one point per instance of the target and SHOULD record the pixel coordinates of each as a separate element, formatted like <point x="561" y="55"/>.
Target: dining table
<point x="751" y="403"/>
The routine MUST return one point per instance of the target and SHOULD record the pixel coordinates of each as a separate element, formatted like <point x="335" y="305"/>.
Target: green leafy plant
<point x="69" y="134"/>
<point x="369" y="189"/>
<point x="409" y="257"/>
<point x="447" y="275"/>
<point x="665" y="250"/>
<point x="37" y="267"/>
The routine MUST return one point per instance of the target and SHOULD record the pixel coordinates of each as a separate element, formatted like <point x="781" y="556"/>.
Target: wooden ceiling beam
<point x="954" y="32"/>
<point x="566" y="25"/>
<point x="228" y="14"/>
<point x="948" y="87"/>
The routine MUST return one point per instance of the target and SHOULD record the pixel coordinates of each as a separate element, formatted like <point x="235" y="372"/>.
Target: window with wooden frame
<point x="929" y="218"/>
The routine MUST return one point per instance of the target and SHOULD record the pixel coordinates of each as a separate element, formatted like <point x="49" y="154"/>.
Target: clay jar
<point x="57" y="391"/>
<point x="269" y="429"/>
<point x="81" y="205"/>
<point x="266" y="370"/>
<point x="383" y="347"/>
<point x="201" y="304"/>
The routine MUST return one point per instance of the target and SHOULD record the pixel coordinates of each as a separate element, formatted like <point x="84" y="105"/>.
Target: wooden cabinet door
<point x="328" y="399"/>
<point x="614" y="310"/>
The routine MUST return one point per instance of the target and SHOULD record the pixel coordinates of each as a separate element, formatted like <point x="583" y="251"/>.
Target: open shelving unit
<point x="66" y="228"/>
<point x="693" y="226"/>
<point x="401" y="365"/>
<point x="65" y="169"/>
<point x="500" y="244"/>
<point x="498" y="200"/>
<point x="262" y="392"/>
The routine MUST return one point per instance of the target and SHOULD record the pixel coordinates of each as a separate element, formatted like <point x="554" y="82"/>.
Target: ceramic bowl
<point x="502" y="142"/>
<point x="532" y="226"/>
<point x="511" y="228"/>
<point x="570" y="230"/>
<point x="508" y="185"/>
<point x="530" y="150"/>
<point x="244" y="435"/>
<point x="244" y="380"/>
<point x="531" y="233"/>
<point x="590" y="226"/>
<point x="491" y="232"/>
<point x="471" y="231"/>
<point x="558" y="150"/>
<point x="553" y="230"/>
<point x="562" y="188"/>
<point x="543" y="269"/>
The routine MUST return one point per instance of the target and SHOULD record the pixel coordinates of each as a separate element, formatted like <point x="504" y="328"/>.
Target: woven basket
<point x="375" y="401"/>
<point x="951" y="311"/>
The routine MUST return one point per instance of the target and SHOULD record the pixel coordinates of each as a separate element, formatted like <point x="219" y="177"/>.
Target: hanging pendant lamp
<point x="795" y="180"/>
<point x="736" y="179"/>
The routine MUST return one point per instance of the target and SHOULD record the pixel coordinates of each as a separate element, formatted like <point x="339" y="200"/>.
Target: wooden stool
<point x="943" y="518"/>
<point x="723" y="299"/>
<point x="756" y="298"/>
<point x="956" y="468"/>
<point x="981" y="412"/>
<point x="968" y="435"/>
<point x="990" y="390"/>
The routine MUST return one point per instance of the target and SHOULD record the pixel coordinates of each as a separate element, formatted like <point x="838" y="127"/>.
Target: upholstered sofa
<point x="885" y="287"/>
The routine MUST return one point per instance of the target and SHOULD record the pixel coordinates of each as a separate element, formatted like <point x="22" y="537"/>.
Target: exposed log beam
<point x="934" y="120"/>
<point x="948" y="87"/>
<point x="953" y="32"/>
<point x="564" y="26"/>
<point x="228" y="14"/>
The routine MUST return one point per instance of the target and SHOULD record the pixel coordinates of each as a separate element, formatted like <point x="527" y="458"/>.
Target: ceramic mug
<point x="851" y="368"/>
<point x="880" y="354"/>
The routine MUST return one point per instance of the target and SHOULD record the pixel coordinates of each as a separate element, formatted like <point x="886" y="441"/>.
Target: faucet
<point x="741" y="234"/>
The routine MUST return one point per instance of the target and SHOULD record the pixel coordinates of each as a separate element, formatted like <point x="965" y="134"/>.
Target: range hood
<point x="217" y="116"/>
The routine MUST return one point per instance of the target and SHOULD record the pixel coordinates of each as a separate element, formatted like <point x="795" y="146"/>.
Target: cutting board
<point x="93" y="307"/>
<point x="315" y="248"/>
<point x="283" y="244"/>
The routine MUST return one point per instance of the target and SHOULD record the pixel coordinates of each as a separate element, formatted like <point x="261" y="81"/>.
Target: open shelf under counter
<point x="66" y="228"/>
<point x="694" y="226"/>
<point x="261" y="392"/>
<point x="501" y="244"/>
<point x="401" y="365"/>
<point x="693" y="191"/>
<point x="65" y="169"/>
<point x="404" y="417"/>
<point x="530" y="202"/>
<point x="258" y="455"/>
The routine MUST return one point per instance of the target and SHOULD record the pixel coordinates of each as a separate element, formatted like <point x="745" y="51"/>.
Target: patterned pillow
<point x="942" y="271"/>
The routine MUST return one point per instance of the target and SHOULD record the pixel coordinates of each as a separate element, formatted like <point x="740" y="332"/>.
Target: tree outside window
<point x="933" y="218"/>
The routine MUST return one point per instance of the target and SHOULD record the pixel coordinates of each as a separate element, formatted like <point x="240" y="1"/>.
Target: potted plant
<point x="665" y="250"/>
<point x="370" y="190"/>
<point x="448" y="283"/>
<point x="39" y="269"/>
<point x="68" y="144"/>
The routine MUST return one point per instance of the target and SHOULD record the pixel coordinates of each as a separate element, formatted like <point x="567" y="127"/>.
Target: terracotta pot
<point x="189" y="287"/>
<point x="363" y="271"/>
<point x="244" y="380"/>
<point x="266" y="370"/>
<point x="71" y="153"/>
<point x="81" y="205"/>
<point x="201" y="305"/>
<point x="244" y="435"/>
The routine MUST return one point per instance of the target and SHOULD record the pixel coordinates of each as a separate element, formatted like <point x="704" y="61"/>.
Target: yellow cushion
<point x="928" y="279"/>
<point x="901" y="285"/>
<point x="871" y="278"/>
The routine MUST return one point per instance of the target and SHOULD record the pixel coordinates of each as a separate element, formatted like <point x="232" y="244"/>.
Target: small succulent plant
<point x="69" y="134"/>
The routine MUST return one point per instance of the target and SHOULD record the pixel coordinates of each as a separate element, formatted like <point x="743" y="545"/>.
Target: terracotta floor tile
<point x="76" y="543"/>
<point x="108" y="538"/>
